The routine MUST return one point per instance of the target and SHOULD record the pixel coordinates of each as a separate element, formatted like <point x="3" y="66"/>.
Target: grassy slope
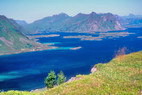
<point x="121" y="76"/>
<point x="10" y="31"/>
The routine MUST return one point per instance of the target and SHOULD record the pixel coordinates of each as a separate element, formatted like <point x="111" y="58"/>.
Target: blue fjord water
<point x="27" y="71"/>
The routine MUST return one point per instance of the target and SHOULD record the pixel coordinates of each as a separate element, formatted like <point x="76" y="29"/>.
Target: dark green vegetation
<point x="80" y="23"/>
<point x="61" y="78"/>
<point x="51" y="80"/>
<point x="121" y="76"/>
<point x="11" y="38"/>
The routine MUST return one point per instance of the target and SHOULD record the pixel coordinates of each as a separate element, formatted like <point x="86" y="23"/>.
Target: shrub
<point x="50" y="80"/>
<point x="61" y="78"/>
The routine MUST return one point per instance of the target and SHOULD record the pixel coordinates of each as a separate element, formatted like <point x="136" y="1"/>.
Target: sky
<point x="31" y="10"/>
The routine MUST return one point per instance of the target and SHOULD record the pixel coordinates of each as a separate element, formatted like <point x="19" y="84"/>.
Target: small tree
<point x="50" y="80"/>
<point x="61" y="78"/>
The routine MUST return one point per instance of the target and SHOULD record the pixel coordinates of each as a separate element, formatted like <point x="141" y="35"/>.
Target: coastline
<point x="38" y="49"/>
<point x="28" y="50"/>
<point x="43" y="36"/>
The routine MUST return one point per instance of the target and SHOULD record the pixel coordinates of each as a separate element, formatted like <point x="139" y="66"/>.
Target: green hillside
<point x="121" y="76"/>
<point x="11" y="37"/>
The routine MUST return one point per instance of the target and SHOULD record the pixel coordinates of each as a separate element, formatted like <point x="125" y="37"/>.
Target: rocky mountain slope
<point x="11" y="37"/>
<point x="92" y="22"/>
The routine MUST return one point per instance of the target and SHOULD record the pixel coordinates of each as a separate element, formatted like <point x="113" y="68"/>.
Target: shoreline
<point x="29" y="50"/>
<point x="43" y="36"/>
<point x="38" y="49"/>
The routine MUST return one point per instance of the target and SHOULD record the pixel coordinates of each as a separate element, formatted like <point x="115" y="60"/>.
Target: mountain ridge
<point x="12" y="39"/>
<point x="92" y="22"/>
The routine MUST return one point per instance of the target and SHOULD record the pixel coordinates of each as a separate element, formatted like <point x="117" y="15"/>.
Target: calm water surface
<point x="27" y="71"/>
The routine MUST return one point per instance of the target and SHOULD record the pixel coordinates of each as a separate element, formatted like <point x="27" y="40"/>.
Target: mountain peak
<point x="81" y="22"/>
<point x="93" y="13"/>
<point x="3" y="17"/>
<point x="61" y="15"/>
<point x="131" y="15"/>
<point x="80" y="15"/>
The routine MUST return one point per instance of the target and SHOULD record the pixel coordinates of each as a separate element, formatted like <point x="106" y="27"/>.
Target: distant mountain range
<point x="131" y="21"/>
<point x="11" y="37"/>
<point x="92" y="22"/>
<point x="88" y="23"/>
<point x="21" y="22"/>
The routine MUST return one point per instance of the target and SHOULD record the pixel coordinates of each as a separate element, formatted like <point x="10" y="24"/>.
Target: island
<point x="139" y="37"/>
<point x="43" y="36"/>
<point x="76" y="48"/>
<point x="100" y="36"/>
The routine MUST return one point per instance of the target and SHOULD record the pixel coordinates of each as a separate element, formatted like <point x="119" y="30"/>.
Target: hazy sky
<point x="31" y="10"/>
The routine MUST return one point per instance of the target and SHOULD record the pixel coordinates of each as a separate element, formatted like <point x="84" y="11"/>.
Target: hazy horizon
<point x="31" y="10"/>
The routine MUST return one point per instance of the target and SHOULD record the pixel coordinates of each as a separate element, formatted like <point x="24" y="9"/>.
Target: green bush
<point x="61" y="78"/>
<point x="50" y="80"/>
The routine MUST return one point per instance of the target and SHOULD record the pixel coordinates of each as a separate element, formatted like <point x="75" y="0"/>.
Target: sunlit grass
<point x="121" y="76"/>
